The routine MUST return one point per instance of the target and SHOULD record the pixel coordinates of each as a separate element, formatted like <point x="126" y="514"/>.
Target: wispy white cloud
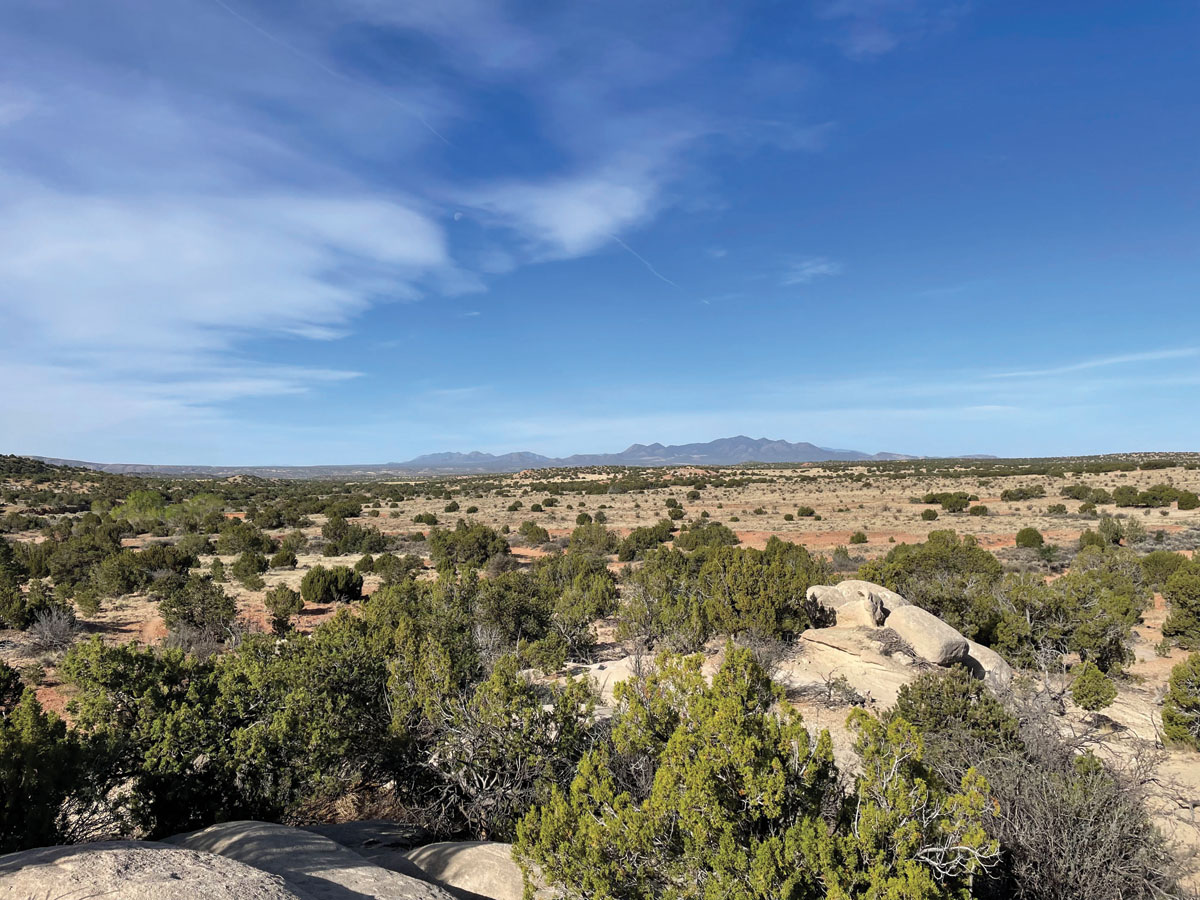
<point x="279" y="40"/>
<point x="1102" y="362"/>
<point x="73" y="411"/>
<point x="164" y="219"/>
<point x="170" y="275"/>
<point x="146" y="310"/>
<point x="475" y="33"/>
<point x="871" y="28"/>
<point x="457" y="393"/>
<point x="809" y="269"/>
<point x="575" y="214"/>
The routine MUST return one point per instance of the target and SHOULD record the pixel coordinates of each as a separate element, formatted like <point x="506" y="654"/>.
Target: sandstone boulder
<point x="309" y="864"/>
<point x="483" y="869"/>
<point x="866" y="612"/>
<point x="853" y="589"/>
<point x="605" y="677"/>
<point x="381" y="843"/>
<point x="370" y="835"/>
<point x="825" y="595"/>
<point x="824" y="654"/>
<point x="931" y="638"/>
<point x="136" y="870"/>
<point x="988" y="665"/>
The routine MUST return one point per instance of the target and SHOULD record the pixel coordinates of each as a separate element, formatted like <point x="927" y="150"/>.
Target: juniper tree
<point x="1181" y="707"/>
<point x="707" y="791"/>
<point x="1182" y="593"/>
<point x="1092" y="689"/>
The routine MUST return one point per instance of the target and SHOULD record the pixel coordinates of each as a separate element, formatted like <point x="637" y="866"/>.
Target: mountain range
<point x="721" y="452"/>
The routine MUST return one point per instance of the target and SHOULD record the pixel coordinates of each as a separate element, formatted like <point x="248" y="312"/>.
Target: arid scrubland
<point x="1004" y="685"/>
<point x="836" y="502"/>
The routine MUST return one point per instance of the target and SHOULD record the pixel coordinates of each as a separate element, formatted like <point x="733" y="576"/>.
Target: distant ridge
<point x="721" y="452"/>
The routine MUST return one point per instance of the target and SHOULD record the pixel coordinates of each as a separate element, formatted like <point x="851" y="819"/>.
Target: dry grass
<point x="880" y="507"/>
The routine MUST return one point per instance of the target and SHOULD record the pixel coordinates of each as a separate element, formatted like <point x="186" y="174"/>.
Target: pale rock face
<point x="828" y="597"/>
<point x="853" y="589"/>
<point x="368" y="836"/>
<point x="851" y="653"/>
<point x="988" y="665"/>
<point x="479" y="868"/>
<point x="862" y="604"/>
<point x="136" y="870"/>
<point x="931" y="638"/>
<point x="866" y="612"/>
<point x="312" y="866"/>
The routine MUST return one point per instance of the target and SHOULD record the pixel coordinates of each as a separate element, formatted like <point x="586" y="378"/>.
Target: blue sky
<point x="248" y="231"/>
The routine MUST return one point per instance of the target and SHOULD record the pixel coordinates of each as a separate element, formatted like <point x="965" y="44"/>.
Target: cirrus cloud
<point x="809" y="269"/>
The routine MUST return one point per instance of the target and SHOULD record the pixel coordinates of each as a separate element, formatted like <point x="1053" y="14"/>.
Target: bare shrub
<point x="833" y="692"/>
<point x="500" y="563"/>
<point x="842" y="561"/>
<point x="768" y="651"/>
<point x="54" y="629"/>
<point x="346" y="795"/>
<point x="199" y="642"/>
<point x="891" y="644"/>
<point x="1174" y="541"/>
<point x="1072" y="825"/>
<point x="1025" y="559"/>
<point x="490" y="644"/>
<point x="206" y="642"/>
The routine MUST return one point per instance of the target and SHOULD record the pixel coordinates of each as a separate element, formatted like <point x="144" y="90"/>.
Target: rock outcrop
<point x="987" y="664"/>
<point x="264" y="861"/>
<point x="853" y="589"/>
<point x="825" y="655"/>
<point x="859" y="595"/>
<point x="313" y="866"/>
<point x="139" y="870"/>
<point x="860" y="604"/>
<point x="930" y="637"/>
<point x="483" y="869"/>
<point x="827" y="596"/>
<point x="866" y="612"/>
<point x="373" y="836"/>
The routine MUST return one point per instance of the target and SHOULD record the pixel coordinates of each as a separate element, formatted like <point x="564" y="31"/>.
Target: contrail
<point x="314" y="61"/>
<point x="645" y="262"/>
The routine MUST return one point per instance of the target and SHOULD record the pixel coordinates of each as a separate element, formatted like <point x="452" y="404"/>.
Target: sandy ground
<point x="878" y="506"/>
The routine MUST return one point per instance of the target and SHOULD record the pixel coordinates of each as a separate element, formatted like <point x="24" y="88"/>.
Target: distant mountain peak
<point x="729" y="451"/>
<point x="719" y="452"/>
